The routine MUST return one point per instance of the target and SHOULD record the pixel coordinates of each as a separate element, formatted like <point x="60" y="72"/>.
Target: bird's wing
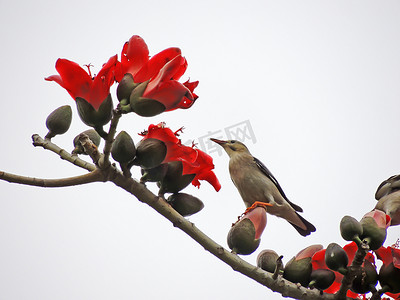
<point x="267" y="173"/>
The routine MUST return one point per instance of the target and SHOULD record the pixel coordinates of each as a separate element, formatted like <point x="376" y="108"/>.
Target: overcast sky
<point x="313" y="85"/>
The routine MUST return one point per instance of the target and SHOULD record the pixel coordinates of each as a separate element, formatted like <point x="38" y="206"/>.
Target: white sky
<point x="317" y="80"/>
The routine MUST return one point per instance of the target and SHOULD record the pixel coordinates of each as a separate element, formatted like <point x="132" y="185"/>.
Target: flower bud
<point x="144" y="107"/>
<point x="123" y="149"/>
<point x="322" y="279"/>
<point x="389" y="277"/>
<point x="336" y="258"/>
<point x="267" y="260"/>
<point x="154" y="174"/>
<point x="350" y="229"/>
<point x="93" y="117"/>
<point x="174" y="181"/>
<point x="365" y="279"/>
<point x="93" y="136"/>
<point x="241" y="237"/>
<point x="374" y="226"/>
<point x="125" y="87"/>
<point x="185" y="204"/>
<point x="150" y="153"/>
<point x="298" y="271"/>
<point x="58" y="121"/>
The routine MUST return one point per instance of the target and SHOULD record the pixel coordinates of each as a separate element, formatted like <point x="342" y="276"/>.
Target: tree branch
<point x="110" y="173"/>
<point x="48" y="145"/>
<point x="93" y="176"/>
<point x="280" y="285"/>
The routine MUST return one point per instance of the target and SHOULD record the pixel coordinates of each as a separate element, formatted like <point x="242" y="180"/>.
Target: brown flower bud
<point x="150" y="153"/>
<point x="185" y="204"/>
<point x="123" y="149"/>
<point x="241" y="237"/>
<point x="58" y="121"/>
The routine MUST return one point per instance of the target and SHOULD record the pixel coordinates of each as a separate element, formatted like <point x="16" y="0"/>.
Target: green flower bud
<point x="374" y="235"/>
<point x="336" y="258"/>
<point x="125" y="87"/>
<point x="185" y="204"/>
<point x="174" y="181"/>
<point x="123" y="149"/>
<point x="350" y="229"/>
<point x="93" y="136"/>
<point x="154" y="174"/>
<point x="58" y="121"/>
<point x="389" y="277"/>
<point x="144" y="107"/>
<point x="298" y="270"/>
<point x="322" y="279"/>
<point x="366" y="279"/>
<point x="267" y="259"/>
<point x="241" y="237"/>
<point x="150" y="153"/>
<point x="92" y="117"/>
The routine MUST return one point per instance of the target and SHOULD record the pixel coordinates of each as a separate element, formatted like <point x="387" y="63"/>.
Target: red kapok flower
<point x="390" y="255"/>
<point x="163" y="71"/>
<point x="79" y="83"/>
<point x="318" y="262"/>
<point x="194" y="161"/>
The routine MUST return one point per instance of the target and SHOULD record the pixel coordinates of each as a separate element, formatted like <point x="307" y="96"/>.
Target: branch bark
<point x="94" y="176"/>
<point x="48" y="145"/>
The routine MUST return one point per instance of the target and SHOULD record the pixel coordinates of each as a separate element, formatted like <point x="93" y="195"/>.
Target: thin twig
<point x="48" y="145"/>
<point x="352" y="271"/>
<point x="90" y="148"/>
<point x="94" y="176"/>
<point x="110" y="138"/>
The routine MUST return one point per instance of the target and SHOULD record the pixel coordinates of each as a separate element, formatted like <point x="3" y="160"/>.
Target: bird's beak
<point x="219" y="142"/>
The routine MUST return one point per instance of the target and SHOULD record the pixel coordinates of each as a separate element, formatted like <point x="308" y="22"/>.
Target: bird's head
<point x="231" y="147"/>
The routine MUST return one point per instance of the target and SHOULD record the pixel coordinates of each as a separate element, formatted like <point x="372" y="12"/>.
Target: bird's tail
<point x="309" y="227"/>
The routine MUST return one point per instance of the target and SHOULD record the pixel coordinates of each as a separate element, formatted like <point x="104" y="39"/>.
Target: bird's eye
<point x="233" y="141"/>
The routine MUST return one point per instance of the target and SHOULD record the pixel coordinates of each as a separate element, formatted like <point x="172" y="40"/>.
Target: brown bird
<point x="256" y="184"/>
<point x="388" y="196"/>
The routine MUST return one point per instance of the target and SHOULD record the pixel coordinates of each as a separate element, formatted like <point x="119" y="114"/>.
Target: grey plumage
<point x="256" y="183"/>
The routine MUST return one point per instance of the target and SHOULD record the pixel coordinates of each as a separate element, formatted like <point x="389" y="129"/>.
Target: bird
<point x="388" y="196"/>
<point x="257" y="186"/>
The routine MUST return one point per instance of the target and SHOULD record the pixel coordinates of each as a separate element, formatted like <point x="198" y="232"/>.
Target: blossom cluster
<point x="161" y="72"/>
<point x="147" y="86"/>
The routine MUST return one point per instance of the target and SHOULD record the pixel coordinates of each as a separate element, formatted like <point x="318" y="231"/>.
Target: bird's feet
<point x="256" y="204"/>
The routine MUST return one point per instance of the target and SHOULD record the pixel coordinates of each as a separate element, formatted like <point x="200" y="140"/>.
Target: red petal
<point x="309" y="251"/>
<point x="181" y="70"/>
<point x="170" y="93"/>
<point x="191" y="86"/>
<point x="210" y="177"/>
<point x="258" y="217"/>
<point x="165" y="74"/>
<point x="133" y="56"/>
<point x="154" y="65"/>
<point x="350" y="250"/>
<point x="74" y="78"/>
<point x="102" y="83"/>
<point x="318" y="260"/>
